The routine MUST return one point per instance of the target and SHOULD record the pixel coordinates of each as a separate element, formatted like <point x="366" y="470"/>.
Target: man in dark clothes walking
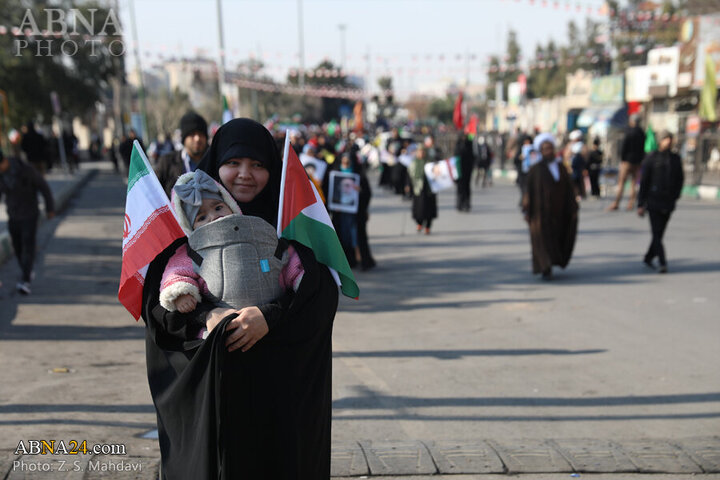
<point x="193" y="131"/>
<point x="550" y="209"/>
<point x="464" y="150"/>
<point x="35" y="148"/>
<point x="126" y="146"/>
<point x="20" y="184"/>
<point x="631" y="156"/>
<point x="660" y="187"/>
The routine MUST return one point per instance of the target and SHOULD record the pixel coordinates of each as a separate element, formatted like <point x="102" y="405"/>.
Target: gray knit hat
<point x="192" y="193"/>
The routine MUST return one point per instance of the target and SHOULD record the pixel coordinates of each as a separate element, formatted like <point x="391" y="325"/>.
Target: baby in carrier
<point x="232" y="259"/>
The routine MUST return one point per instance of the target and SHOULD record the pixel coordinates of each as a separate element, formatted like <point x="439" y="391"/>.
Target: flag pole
<point x="282" y="182"/>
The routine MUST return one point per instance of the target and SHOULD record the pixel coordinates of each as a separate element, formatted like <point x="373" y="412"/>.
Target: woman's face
<point x="244" y="178"/>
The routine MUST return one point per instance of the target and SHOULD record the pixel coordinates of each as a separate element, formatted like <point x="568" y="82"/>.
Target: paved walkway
<point x="455" y="362"/>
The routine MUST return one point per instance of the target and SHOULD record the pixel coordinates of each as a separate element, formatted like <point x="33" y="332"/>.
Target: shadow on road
<point x="70" y="333"/>
<point x="458" y="354"/>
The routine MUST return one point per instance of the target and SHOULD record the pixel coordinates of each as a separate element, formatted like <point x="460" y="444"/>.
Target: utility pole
<point x="301" y="46"/>
<point x="342" y="27"/>
<point x="221" y="39"/>
<point x="138" y="67"/>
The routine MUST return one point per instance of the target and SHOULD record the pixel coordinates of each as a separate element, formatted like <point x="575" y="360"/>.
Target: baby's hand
<point x="185" y="303"/>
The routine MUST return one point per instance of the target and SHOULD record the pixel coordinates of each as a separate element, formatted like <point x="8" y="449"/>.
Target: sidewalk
<point x="63" y="186"/>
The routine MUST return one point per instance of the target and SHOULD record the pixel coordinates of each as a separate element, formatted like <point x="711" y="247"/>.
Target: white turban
<point x="542" y="138"/>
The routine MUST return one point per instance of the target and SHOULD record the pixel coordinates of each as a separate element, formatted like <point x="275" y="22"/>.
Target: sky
<point x="417" y="42"/>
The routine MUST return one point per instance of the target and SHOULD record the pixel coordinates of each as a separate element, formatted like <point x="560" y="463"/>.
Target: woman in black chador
<point x="253" y="399"/>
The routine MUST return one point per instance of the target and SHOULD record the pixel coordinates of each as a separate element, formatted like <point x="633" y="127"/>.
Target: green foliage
<point x="76" y="66"/>
<point x="165" y="109"/>
<point x="441" y="109"/>
<point x="511" y="62"/>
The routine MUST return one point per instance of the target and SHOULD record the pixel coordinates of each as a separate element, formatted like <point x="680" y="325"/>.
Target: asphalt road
<point x="456" y="359"/>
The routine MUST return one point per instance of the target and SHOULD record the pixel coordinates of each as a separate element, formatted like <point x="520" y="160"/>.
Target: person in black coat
<point x="631" y="155"/>
<point x="464" y="150"/>
<point x="660" y="187"/>
<point x="35" y="147"/>
<point x="193" y="131"/>
<point x="594" y="164"/>
<point x="126" y="146"/>
<point x="20" y="184"/>
<point x="262" y="411"/>
<point x="366" y="259"/>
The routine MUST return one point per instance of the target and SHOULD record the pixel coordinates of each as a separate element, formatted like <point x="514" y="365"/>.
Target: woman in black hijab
<point x="262" y="413"/>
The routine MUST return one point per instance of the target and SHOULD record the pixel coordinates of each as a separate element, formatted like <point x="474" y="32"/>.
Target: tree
<point x="386" y="87"/>
<point x="78" y="66"/>
<point x="548" y="79"/>
<point x="441" y="109"/>
<point x="165" y="109"/>
<point x="506" y="71"/>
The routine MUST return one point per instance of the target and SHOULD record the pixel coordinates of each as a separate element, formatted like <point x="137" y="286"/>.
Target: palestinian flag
<point x="227" y="114"/>
<point x="650" y="141"/>
<point x="302" y="217"/>
<point x="150" y="226"/>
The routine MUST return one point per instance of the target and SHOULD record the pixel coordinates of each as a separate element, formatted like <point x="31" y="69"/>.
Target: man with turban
<point x="550" y="209"/>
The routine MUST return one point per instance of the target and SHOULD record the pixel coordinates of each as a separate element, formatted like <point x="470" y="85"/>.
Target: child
<point x="220" y="238"/>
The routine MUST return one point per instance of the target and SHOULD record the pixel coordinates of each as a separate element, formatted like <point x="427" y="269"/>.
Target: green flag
<point x="650" y="142"/>
<point x="708" y="95"/>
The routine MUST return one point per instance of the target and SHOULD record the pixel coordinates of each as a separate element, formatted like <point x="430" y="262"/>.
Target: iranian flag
<point x="302" y="217"/>
<point x="150" y="226"/>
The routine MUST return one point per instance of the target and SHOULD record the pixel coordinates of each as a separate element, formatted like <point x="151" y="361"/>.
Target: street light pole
<point x="138" y="67"/>
<point x="342" y="27"/>
<point x="221" y="39"/>
<point x="301" y="46"/>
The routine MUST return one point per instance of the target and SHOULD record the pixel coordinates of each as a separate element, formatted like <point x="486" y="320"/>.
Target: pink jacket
<point x="179" y="277"/>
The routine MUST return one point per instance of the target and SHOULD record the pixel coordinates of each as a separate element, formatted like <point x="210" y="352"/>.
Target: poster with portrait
<point x="344" y="192"/>
<point x="314" y="166"/>
<point x="442" y="175"/>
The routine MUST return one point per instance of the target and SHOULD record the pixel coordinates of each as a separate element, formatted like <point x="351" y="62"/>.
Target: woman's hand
<point x="249" y="327"/>
<point x="215" y="316"/>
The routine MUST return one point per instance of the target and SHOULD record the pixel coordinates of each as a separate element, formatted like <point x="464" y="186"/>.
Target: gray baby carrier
<point x="240" y="258"/>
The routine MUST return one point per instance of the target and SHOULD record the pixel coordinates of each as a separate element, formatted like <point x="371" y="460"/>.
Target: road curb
<point x="62" y="199"/>
<point x="700" y="455"/>
<point x="420" y="459"/>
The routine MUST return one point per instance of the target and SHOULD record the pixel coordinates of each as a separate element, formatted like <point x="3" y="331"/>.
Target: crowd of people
<point x="338" y="164"/>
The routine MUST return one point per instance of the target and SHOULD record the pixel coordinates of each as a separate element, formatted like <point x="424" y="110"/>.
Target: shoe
<point x="23" y="287"/>
<point x="663" y="269"/>
<point x="648" y="263"/>
<point x="611" y="208"/>
<point x="427" y="231"/>
<point x="419" y="228"/>
<point x="547" y="274"/>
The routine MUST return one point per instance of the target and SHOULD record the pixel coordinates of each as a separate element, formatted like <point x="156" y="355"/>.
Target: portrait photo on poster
<point x="314" y="166"/>
<point x="344" y="194"/>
